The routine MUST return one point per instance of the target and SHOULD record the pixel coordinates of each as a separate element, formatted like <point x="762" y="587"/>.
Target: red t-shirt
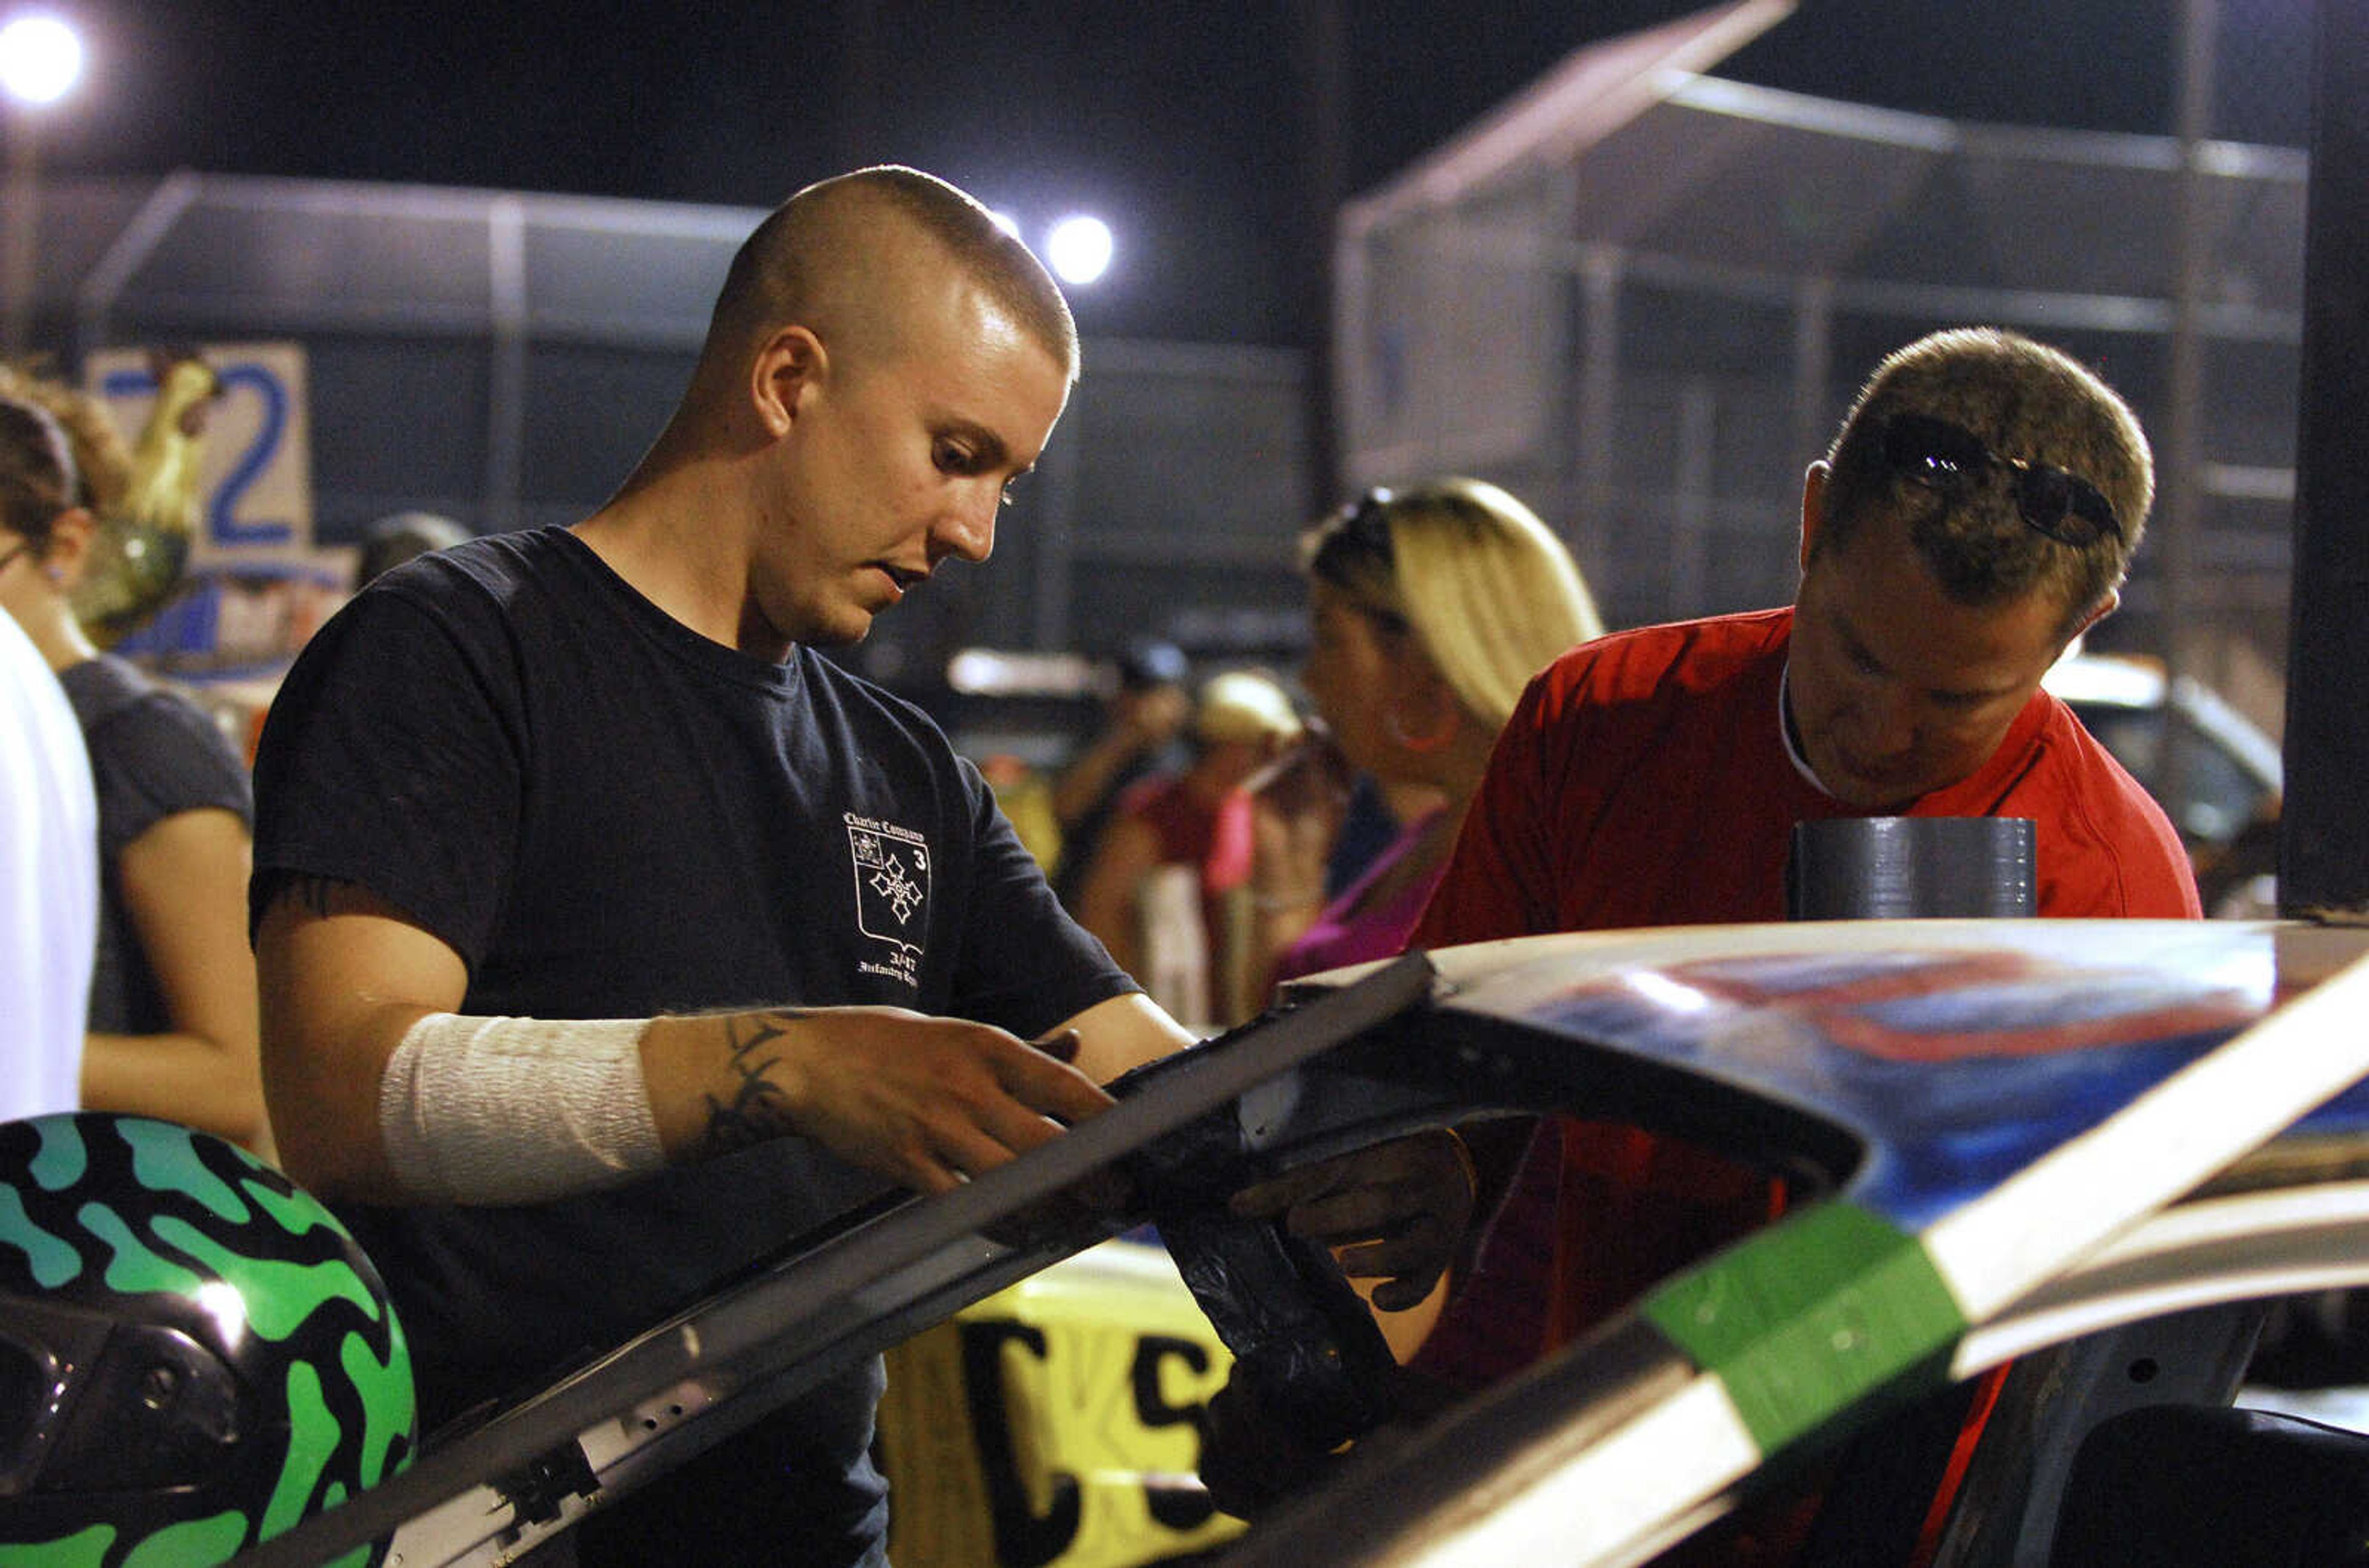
<point x="1191" y="831"/>
<point x="1644" y="781"/>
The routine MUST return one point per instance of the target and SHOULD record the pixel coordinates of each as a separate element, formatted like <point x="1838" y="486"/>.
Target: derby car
<point x="2079" y="1146"/>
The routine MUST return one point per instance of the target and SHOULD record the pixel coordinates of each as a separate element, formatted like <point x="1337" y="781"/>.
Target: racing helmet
<point x="194" y="1355"/>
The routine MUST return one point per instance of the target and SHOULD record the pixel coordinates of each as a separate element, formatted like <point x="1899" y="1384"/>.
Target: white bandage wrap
<point x="517" y="1110"/>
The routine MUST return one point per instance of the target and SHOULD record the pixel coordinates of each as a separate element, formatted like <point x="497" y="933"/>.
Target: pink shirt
<point x="1343" y="935"/>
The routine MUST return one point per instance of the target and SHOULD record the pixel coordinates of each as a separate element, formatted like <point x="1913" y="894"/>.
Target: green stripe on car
<point x="1802" y="1321"/>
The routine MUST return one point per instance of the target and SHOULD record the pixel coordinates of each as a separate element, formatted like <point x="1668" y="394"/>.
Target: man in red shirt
<point x="1977" y="512"/>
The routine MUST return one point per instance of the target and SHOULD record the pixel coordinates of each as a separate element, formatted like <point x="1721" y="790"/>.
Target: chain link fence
<point x="1646" y="324"/>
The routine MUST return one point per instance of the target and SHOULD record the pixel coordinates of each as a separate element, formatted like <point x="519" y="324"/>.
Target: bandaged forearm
<point x="517" y="1110"/>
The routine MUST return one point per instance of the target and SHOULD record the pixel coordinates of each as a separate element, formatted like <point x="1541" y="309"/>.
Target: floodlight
<point x="1079" y="248"/>
<point x="41" y="59"/>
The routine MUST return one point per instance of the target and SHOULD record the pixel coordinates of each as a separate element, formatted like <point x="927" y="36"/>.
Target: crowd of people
<point x="167" y="1021"/>
<point x="595" y="916"/>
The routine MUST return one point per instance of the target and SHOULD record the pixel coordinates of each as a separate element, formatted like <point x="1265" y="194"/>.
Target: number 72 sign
<point x="257" y="473"/>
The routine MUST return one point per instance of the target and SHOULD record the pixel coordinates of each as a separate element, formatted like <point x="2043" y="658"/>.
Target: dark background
<point x="1190" y="125"/>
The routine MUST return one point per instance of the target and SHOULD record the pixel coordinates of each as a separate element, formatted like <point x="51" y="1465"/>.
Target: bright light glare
<point x="1668" y="993"/>
<point x="1005" y="221"/>
<point x="41" y="59"/>
<point x="220" y="1301"/>
<point x="1079" y="248"/>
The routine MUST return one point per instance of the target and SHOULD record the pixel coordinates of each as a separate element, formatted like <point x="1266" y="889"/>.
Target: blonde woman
<point x="1432" y="606"/>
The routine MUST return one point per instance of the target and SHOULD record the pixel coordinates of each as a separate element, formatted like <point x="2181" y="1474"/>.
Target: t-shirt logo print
<point x="892" y="881"/>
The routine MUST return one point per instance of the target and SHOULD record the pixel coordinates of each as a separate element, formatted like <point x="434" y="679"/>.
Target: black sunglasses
<point x="1944" y="457"/>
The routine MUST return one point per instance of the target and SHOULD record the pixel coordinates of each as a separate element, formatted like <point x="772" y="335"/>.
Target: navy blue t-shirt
<point x="609" y="816"/>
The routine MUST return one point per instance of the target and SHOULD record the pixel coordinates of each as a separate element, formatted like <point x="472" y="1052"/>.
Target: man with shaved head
<point x="611" y="938"/>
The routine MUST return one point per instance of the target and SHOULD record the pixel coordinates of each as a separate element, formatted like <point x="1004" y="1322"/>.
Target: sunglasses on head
<point x="1946" y="457"/>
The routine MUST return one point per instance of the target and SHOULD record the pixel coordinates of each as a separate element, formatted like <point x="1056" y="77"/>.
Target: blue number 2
<point x="222" y="526"/>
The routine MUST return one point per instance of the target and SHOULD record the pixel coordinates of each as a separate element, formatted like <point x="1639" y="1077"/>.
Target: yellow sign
<point x="1057" y="1424"/>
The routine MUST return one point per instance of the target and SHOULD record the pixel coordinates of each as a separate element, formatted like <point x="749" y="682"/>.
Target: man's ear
<point x="2104" y="608"/>
<point x="1814" y="507"/>
<point x="786" y="369"/>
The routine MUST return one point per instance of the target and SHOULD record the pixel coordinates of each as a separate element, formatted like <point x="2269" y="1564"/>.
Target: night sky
<point x="1185" y="122"/>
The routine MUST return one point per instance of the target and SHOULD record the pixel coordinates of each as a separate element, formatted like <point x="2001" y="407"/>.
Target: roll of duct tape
<point x="1903" y="867"/>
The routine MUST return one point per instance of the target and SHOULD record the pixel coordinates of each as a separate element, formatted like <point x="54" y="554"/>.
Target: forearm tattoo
<point x="758" y="1110"/>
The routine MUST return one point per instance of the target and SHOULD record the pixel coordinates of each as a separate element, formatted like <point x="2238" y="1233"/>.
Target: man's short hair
<point x="818" y="239"/>
<point x="2022" y="400"/>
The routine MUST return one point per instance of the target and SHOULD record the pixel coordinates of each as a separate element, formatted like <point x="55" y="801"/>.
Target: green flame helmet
<point x="194" y="1355"/>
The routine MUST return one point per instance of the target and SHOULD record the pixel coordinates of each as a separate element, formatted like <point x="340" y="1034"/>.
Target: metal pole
<point x="1053" y="584"/>
<point x="1321" y="28"/>
<point x="2180" y="480"/>
<point x="2324" y="829"/>
<point x="506" y="381"/>
<point x="1601" y="268"/>
<point x="21" y="251"/>
<point x="1695" y="492"/>
<point x="1813" y="366"/>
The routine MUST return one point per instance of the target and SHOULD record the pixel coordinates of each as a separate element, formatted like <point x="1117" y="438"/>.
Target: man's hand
<point x="1398" y="1209"/>
<point x="926" y="1101"/>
